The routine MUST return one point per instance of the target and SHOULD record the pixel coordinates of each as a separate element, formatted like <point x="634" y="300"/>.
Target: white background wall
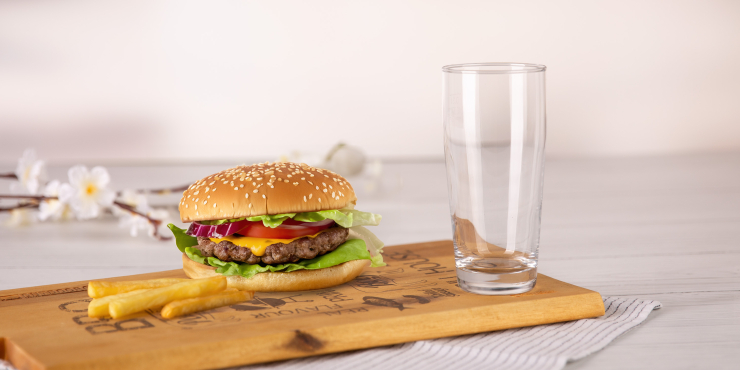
<point x="182" y="80"/>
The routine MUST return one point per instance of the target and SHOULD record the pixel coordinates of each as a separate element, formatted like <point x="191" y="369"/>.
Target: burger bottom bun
<point x="282" y="281"/>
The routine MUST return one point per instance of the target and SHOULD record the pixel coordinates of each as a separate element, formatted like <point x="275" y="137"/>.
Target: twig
<point x="36" y="197"/>
<point x="20" y="206"/>
<point x="165" y="191"/>
<point x="162" y="191"/>
<point x="156" y="223"/>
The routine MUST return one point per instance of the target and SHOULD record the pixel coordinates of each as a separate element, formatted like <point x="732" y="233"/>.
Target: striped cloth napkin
<point x="543" y="347"/>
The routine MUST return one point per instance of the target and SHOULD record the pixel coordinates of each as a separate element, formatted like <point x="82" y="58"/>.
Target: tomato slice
<point x="289" y="229"/>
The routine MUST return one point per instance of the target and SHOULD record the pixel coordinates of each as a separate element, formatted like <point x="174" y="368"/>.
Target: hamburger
<point x="274" y="227"/>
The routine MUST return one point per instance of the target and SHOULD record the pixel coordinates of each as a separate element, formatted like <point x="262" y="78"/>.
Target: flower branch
<point x="86" y="195"/>
<point x="153" y="221"/>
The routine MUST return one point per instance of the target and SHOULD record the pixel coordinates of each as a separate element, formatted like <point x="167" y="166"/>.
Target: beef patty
<point x="299" y="249"/>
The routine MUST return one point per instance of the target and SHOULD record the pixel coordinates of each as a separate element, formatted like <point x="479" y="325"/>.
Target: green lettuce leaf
<point x="219" y="222"/>
<point x="353" y="249"/>
<point x="349" y="251"/>
<point x="182" y="239"/>
<point x="343" y="217"/>
<point x="372" y="243"/>
<point x="272" y="221"/>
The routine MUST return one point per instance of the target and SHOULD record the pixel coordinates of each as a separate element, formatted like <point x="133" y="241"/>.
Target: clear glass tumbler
<point x="494" y="135"/>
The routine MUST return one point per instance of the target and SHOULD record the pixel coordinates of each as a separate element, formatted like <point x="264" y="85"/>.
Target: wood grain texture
<point x="415" y="297"/>
<point x="665" y="228"/>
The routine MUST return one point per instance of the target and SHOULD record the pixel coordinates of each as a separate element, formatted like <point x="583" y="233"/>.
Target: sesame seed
<point x="317" y="188"/>
<point x="205" y="201"/>
<point x="325" y="190"/>
<point x="286" y="181"/>
<point x="255" y="190"/>
<point x="214" y="205"/>
<point x="209" y="197"/>
<point x="212" y="182"/>
<point x="295" y="183"/>
<point x="323" y="183"/>
<point x="250" y="205"/>
<point x="241" y="186"/>
<point x="333" y="194"/>
<point x="236" y="188"/>
<point x="272" y="187"/>
<point x="310" y="195"/>
<point x="198" y="192"/>
<point x="197" y="199"/>
<point x="303" y="178"/>
<point x="304" y="199"/>
<point x="186" y="206"/>
<point x="259" y="178"/>
<point x="254" y="184"/>
<point x="263" y="196"/>
<point x="319" y="200"/>
<point x="197" y="213"/>
<point x="246" y="195"/>
<point x="196" y="206"/>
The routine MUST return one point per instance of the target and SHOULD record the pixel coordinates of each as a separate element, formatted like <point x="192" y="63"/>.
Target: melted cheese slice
<point x="258" y="246"/>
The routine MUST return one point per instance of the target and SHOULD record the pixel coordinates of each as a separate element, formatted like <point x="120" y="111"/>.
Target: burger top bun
<point x="265" y="189"/>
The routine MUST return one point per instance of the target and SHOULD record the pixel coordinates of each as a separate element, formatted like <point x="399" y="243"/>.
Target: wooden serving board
<point x="415" y="297"/>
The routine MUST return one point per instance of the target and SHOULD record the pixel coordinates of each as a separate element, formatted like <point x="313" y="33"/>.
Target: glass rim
<point x="472" y="68"/>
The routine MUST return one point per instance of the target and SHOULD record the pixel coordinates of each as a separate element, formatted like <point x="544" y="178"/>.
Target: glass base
<point x="487" y="283"/>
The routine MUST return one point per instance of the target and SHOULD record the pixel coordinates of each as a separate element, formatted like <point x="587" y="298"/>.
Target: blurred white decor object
<point x="31" y="173"/>
<point x="20" y="217"/>
<point x="345" y="160"/>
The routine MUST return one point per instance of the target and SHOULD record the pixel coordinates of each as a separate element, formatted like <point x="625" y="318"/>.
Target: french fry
<point x="160" y="296"/>
<point x="99" y="306"/>
<point x="188" y="306"/>
<point x="100" y="289"/>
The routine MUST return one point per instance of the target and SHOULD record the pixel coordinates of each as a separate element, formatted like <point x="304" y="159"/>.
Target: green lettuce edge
<point x="354" y="249"/>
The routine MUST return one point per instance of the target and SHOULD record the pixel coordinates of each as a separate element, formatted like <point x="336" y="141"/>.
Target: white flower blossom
<point x="87" y="191"/>
<point x="164" y="217"/>
<point x="52" y="208"/>
<point x="133" y="222"/>
<point x="20" y="217"/>
<point x="136" y="223"/>
<point x="31" y="172"/>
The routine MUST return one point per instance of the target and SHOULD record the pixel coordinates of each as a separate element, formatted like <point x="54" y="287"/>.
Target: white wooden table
<point x="663" y="228"/>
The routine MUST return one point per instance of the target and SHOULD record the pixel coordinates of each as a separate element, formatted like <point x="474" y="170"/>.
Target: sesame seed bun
<point x="282" y="281"/>
<point x="265" y="189"/>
